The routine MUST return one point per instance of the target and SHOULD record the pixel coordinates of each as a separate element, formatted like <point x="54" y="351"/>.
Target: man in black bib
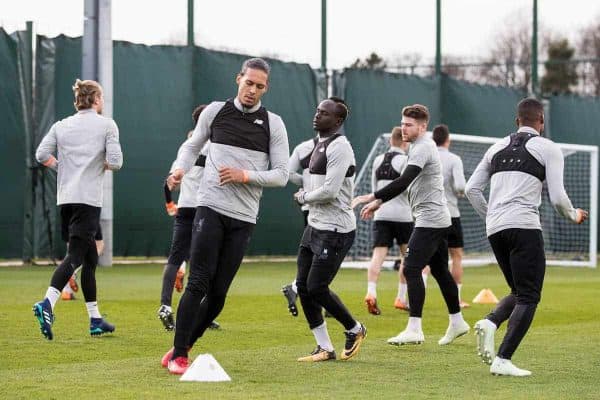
<point x="516" y="168"/>
<point x="329" y="233"/>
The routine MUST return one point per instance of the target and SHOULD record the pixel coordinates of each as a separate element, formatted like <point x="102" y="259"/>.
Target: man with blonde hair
<point x="81" y="148"/>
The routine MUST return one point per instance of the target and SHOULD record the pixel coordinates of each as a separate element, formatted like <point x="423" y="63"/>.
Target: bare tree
<point x="509" y="59"/>
<point x="589" y="47"/>
<point x="373" y="61"/>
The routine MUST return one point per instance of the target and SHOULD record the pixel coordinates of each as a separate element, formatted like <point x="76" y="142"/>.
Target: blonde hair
<point x="86" y="92"/>
<point x="396" y="135"/>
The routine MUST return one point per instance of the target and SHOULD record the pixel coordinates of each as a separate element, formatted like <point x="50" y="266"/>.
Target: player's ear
<point x="238" y="78"/>
<point x="517" y="122"/>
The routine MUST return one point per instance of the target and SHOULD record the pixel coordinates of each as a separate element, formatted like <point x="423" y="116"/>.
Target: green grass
<point x="260" y="342"/>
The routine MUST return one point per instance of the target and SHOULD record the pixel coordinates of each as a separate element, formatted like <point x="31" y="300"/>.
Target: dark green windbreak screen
<point x="376" y="100"/>
<point x="480" y="110"/>
<point x="152" y="107"/>
<point x="575" y="119"/>
<point x="155" y="91"/>
<point x="12" y="150"/>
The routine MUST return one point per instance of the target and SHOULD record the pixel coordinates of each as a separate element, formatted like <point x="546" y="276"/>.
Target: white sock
<point x="322" y="337"/>
<point x="182" y="267"/>
<point x="294" y="287"/>
<point x="356" y="328"/>
<point x="414" y="324"/>
<point x="424" y="276"/>
<point x="68" y="289"/>
<point x="490" y="324"/>
<point x="402" y="288"/>
<point x="165" y="306"/>
<point x="459" y="286"/>
<point x="372" y="289"/>
<point x="456" y="319"/>
<point x="92" y="309"/>
<point x="52" y="294"/>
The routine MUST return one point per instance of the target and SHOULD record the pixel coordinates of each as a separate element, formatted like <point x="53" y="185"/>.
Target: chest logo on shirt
<point x="258" y="121"/>
<point x="322" y="149"/>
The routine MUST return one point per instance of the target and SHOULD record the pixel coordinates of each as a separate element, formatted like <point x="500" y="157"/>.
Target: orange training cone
<point x="486" y="296"/>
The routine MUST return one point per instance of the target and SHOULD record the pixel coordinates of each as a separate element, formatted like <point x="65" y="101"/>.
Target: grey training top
<point x="83" y="143"/>
<point x="331" y="194"/>
<point x="303" y="180"/>
<point x="397" y="209"/>
<point x="426" y="192"/>
<point x="514" y="195"/>
<point x="188" y="192"/>
<point x="454" y="179"/>
<point x="265" y="167"/>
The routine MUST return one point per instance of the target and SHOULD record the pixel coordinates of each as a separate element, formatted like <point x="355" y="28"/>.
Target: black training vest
<point x="305" y="162"/>
<point x="515" y="157"/>
<point x="386" y="171"/>
<point x="318" y="160"/>
<point x="236" y="128"/>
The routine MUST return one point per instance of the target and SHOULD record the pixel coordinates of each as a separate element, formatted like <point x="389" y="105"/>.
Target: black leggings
<point x="218" y="246"/>
<point x="179" y="252"/>
<point x="319" y="258"/>
<point x="520" y="255"/>
<point x="429" y="246"/>
<point x="81" y="222"/>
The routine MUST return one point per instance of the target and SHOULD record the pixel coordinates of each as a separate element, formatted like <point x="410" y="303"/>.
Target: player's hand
<point x="368" y="210"/>
<point x="174" y="180"/>
<point x="365" y="198"/>
<point x="171" y="208"/>
<point x="299" y="196"/>
<point x="232" y="175"/>
<point x="582" y="215"/>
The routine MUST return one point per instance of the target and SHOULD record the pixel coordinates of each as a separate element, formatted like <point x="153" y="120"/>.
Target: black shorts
<point x="455" y="234"/>
<point x="80" y="220"/>
<point x="385" y="232"/>
<point x="427" y="246"/>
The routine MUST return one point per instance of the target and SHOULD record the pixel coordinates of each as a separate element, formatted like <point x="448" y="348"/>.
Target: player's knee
<point x="530" y="298"/>
<point x="317" y="291"/>
<point x="411" y="271"/>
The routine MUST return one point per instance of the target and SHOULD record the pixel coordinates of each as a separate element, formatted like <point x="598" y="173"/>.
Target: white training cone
<point x="205" y="369"/>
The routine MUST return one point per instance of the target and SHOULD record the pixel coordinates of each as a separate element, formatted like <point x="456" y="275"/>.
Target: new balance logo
<point x="258" y="121"/>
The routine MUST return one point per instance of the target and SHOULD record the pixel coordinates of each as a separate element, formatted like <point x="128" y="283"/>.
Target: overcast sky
<point x="290" y="29"/>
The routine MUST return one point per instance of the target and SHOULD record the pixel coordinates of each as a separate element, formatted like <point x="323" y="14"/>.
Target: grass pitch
<point x="260" y="341"/>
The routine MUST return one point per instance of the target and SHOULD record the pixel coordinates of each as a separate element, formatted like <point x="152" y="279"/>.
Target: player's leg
<point x="290" y="291"/>
<point x="485" y="329"/>
<point x="455" y="247"/>
<point x="528" y="266"/>
<point x="234" y="243"/>
<point x="379" y="254"/>
<point x="313" y="312"/>
<point x="421" y="247"/>
<point x="179" y="252"/>
<point x="401" y="301"/>
<point x="439" y="270"/>
<point x="330" y="248"/>
<point x="207" y="238"/>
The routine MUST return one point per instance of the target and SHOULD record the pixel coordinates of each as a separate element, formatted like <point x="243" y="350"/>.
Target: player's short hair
<point x="256" y="63"/>
<point x="196" y="113"/>
<point x="416" y="111"/>
<point x="341" y="109"/>
<point x="440" y="134"/>
<point x="530" y="110"/>
<point x="396" y="135"/>
<point x="85" y="93"/>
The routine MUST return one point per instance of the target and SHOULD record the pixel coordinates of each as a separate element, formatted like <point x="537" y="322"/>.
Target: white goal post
<point x="566" y="244"/>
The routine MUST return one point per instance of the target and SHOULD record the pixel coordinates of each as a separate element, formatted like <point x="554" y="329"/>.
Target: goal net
<point x="565" y="243"/>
